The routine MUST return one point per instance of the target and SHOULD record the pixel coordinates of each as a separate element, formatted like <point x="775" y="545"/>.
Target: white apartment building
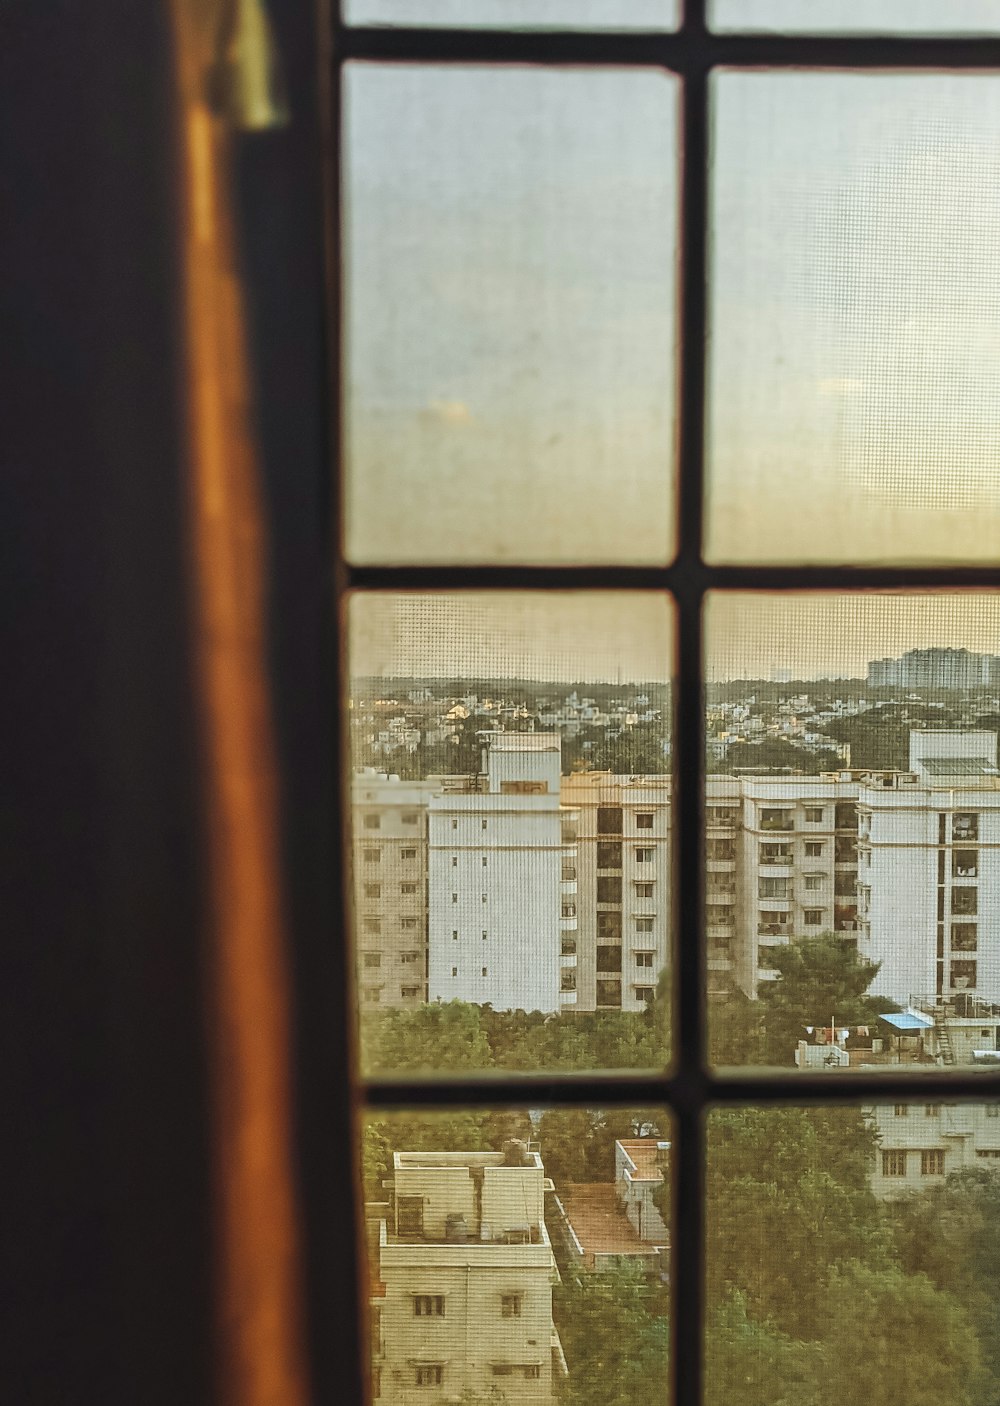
<point x="499" y="892"/>
<point x="466" y="1269"/>
<point x="623" y="899"/>
<point x="798" y="865"/>
<point x="640" y="1166"/>
<point x="723" y="818"/>
<point x="929" y="871"/>
<point x="921" y="1143"/>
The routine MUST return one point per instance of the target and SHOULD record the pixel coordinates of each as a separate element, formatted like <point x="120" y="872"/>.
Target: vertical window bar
<point x="687" y="1233"/>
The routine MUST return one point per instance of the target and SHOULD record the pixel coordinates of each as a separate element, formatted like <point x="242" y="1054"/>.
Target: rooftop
<point x="646" y="1155"/>
<point x="958" y="766"/>
<point x="598" y="1222"/>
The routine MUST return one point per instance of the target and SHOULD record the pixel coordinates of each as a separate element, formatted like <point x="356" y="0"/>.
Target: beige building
<point x="921" y="1143"/>
<point x="623" y="903"/>
<point x="466" y="1271"/>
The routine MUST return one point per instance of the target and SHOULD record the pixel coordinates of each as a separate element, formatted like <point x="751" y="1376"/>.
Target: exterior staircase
<point x="943" y="1036"/>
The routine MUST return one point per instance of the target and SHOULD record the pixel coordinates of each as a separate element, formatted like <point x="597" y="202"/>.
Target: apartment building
<point x="723" y="816"/>
<point x="389" y="852"/>
<point x="921" y="1143"/>
<point x="500" y="889"/>
<point x="622" y="906"/>
<point x="465" y="1269"/>
<point x="798" y="869"/>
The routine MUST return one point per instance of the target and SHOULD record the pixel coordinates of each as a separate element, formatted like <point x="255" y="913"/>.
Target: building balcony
<point x="719" y="931"/>
<point x="775" y="905"/>
<point x="567" y="886"/>
<point x="567" y="959"/>
<point x="781" y="860"/>
<point x="567" y="924"/>
<point x="567" y="998"/>
<point x="719" y="962"/>
<point x="773" y="939"/>
<point x="720" y="866"/>
<point x="721" y="893"/>
<point x="777" y="868"/>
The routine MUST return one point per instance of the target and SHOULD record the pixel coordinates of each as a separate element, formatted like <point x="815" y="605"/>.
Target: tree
<point x="756" y="1365"/>
<point x="894" y="1338"/>
<point x="820" y="978"/>
<point x="614" y="1331"/>
<point x="735" y="1031"/>
<point x="638" y="751"/>
<point x="430" y="1039"/>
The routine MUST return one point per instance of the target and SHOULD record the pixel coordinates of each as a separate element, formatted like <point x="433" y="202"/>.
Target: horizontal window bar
<point x="683" y="577"/>
<point x="683" y="1090"/>
<point x="680" y="52"/>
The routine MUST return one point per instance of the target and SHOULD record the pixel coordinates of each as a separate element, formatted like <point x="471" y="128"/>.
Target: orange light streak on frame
<point x="258" y="1291"/>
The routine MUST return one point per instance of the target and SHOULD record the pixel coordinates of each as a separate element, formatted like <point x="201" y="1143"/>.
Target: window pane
<point x="517" y="14"/>
<point x="853" y="829"/>
<point x="852" y="1254"/>
<point x="510" y="251"/>
<point x="854" y="403"/>
<point x="493" y="757"/>
<point x="516" y="1256"/>
<point x="857" y="16"/>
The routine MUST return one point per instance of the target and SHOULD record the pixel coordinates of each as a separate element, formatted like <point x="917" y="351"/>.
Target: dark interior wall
<point x="105" y="1294"/>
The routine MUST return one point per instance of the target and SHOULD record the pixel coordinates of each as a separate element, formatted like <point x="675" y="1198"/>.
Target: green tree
<point x="615" y="1336"/>
<point x="638" y="751"/>
<point x="894" y="1338"/>
<point x="756" y="1365"/>
<point x="736" y="1031"/>
<point x="430" y="1039"/>
<point x="820" y="978"/>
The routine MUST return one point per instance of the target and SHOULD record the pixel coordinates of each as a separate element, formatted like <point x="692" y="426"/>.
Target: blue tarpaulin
<point x="908" y="1021"/>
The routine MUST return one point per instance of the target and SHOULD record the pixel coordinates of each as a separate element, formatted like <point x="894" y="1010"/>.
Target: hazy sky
<point x="629" y="636"/>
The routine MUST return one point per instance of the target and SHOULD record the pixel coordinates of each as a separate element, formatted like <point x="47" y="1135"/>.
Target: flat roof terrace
<point x="599" y="1226"/>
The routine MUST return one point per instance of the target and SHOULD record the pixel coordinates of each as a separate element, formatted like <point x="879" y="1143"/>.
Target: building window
<point x="567" y="979"/>
<point x="372" y="924"/>
<point x="483" y="825"/>
<point x="409" y="817"/>
<point x="644" y="993"/>
<point x="373" y="822"/>
<point x="454" y="971"/>
<point x="932" y="1162"/>
<point x="373" y="890"/>
<point x="813" y="882"/>
<point x="963" y="937"/>
<point x="814" y="815"/>
<point x="407" y="888"/>
<point x="430" y="1376"/>
<point x="408" y="992"/>
<point x="454" y="861"/>
<point x="567" y="946"/>
<point x="568" y="908"/>
<point x="932" y="1110"/>
<point x="454" y="898"/>
<point x="454" y="824"/>
<point x="371" y="994"/>
<point x="609" y="820"/>
<point x="644" y="820"/>
<point x="644" y="959"/>
<point x="372" y="856"/>
<point x="407" y="924"/>
<point x="813" y="917"/>
<point x="894" y="1164"/>
<point x="643" y="888"/>
<point x="484" y="861"/>
<point x="772" y="888"/>
<point x="454" y="934"/>
<point x="965" y="900"/>
<point x="774" y="819"/>
<point x="609" y="855"/>
<point x="993" y="1110"/>
<point x="373" y="959"/>
<point x="965" y="826"/>
<point x="609" y="890"/>
<point x="901" y="1110"/>
<point x="963" y="976"/>
<point x="407" y="958"/>
<point x="510" y="1305"/>
<point x="406" y="854"/>
<point x="644" y="924"/>
<point x="965" y="863"/>
<point x="644" y="856"/>
<point x="814" y="849"/>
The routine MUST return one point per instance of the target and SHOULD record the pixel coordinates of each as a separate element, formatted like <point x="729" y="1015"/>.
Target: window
<point x="644" y="959"/>
<point x="814" y="815"/>
<point x="568" y="908"/>
<point x="643" y="888"/>
<point x="454" y="971"/>
<point x="371" y="994"/>
<point x="963" y="937"/>
<point x="688" y="751"/>
<point x="372" y="856"/>
<point x="408" y="958"/>
<point x="644" y="993"/>
<point x="965" y="900"/>
<point x="965" y="863"/>
<point x="567" y="945"/>
<point x="454" y="934"/>
<point x="932" y="1110"/>
<point x="993" y="1110"/>
<point x="901" y="1110"/>
<point x="812" y="882"/>
<point x="609" y="890"/>
<point x="510" y="1305"/>
<point x="484" y="861"/>
<point x="894" y="1164"/>
<point x="372" y="924"/>
<point x="409" y="817"/>
<point x="567" y="979"/>
<point x="812" y="917"/>
<point x="484" y="971"/>
<point x="454" y="898"/>
<point x="407" y="888"/>
<point x="814" y="849"/>
<point x="408" y="992"/>
<point x="773" y="888"/>
<point x="454" y="824"/>
<point x="407" y="854"/>
<point x="644" y="820"/>
<point x="644" y="924"/>
<point x="609" y="855"/>
<point x="965" y="826"/>
<point x="373" y="959"/>
<point x="373" y="822"/>
<point x="430" y="1376"/>
<point x="407" y="924"/>
<point x="932" y="1162"/>
<point x="454" y="861"/>
<point x="644" y="856"/>
<point x="373" y="890"/>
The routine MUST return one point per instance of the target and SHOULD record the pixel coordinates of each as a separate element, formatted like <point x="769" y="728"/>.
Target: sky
<point x="510" y="299"/>
<point x="629" y="636"/>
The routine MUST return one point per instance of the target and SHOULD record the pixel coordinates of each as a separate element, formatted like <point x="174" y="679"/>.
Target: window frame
<point x="689" y="1087"/>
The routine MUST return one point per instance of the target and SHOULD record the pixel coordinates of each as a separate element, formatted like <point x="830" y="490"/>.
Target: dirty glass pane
<point x="517" y="14"/>
<point x="511" y="823"/>
<point x="853" y="829"/>
<point x="852" y="1254"/>
<point x="856" y="16"/>
<point x="854" y="406"/>
<point x="518" y="1257"/>
<point x="510" y="263"/>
